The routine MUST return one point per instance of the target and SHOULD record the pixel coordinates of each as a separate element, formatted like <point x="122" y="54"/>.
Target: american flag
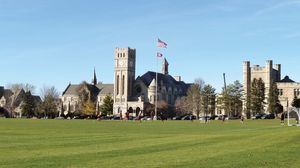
<point x="159" y="54"/>
<point x="161" y="44"/>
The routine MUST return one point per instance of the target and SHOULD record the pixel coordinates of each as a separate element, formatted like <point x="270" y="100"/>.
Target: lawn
<point x="90" y="143"/>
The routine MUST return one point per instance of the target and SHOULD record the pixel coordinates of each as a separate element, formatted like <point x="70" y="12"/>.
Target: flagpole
<point x="161" y="44"/>
<point x="155" y="115"/>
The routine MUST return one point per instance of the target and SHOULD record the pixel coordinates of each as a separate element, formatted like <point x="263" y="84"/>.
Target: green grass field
<point x="90" y="143"/>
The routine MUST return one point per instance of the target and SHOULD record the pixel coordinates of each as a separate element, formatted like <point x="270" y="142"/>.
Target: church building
<point x="134" y="94"/>
<point x="130" y="93"/>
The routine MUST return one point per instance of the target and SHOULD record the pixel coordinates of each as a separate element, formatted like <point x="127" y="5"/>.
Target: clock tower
<point x="124" y="78"/>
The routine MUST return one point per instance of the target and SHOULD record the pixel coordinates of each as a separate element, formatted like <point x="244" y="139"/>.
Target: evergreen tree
<point x="231" y="99"/>
<point x="107" y="107"/>
<point x="208" y="99"/>
<point x="257" y="96"/>
<point x="296" y="102"/>
<point x="28" y="105"/>
<point x="273" y="101"/>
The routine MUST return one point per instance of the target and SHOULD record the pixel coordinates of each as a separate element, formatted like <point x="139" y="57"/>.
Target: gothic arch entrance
<point x="130" y="110"/>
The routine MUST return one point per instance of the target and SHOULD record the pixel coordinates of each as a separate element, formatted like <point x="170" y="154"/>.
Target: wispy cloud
<point x="273" y="7"/>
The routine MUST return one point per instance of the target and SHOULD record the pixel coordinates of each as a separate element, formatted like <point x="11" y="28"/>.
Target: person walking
<point x="242" y="119"/>
<point x="282" y="118"/>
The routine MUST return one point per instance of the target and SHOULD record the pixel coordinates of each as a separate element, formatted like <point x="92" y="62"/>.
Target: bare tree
<point x="49" y="106"/>
<point x="194" y="97"/>
<point x="181" y="106"/>
<point x="49" y="91"/>
<point x="15" y="87"/>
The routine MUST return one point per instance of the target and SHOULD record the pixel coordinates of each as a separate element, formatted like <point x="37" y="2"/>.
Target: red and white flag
<point x="159" y="54"/>
<point x="161" y="44"/>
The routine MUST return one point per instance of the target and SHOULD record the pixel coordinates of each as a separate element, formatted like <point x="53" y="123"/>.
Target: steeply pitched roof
<point x="105" y="88"/>
<point x="37" y="99"/>
<point x="167" y="80"/>
<point x="286" y="79"/>
<point x="98" y="89"/>
<point x="7" y="93"/>
<point x="71" y="90"/>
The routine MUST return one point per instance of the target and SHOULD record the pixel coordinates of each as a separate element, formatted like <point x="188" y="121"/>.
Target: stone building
<point x="70" y="96"/>
<point x="134" y="94"/>
<point x="130" y="93"/>
<point x="11" y="101"/>
<point x="288" y="89"/>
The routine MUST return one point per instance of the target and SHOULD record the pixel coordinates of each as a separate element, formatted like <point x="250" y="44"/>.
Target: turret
<point x="165" y="67"/>
<point x="278" y="68"/>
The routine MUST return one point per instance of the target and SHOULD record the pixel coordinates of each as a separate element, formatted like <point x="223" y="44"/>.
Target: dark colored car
<point x="177" y="118"/>
<point x="213" y="117"/>
<point x="270" y="116"/>
<point x="259" y="116"/>
<point x="115" y="118"/>
<point x="188" y="117"/>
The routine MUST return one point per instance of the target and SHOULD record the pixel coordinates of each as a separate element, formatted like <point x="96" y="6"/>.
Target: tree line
<point x="202" y="100"/>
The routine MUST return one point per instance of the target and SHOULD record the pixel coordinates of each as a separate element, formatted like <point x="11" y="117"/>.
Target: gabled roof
<point x="167" y="80"/>
<point x="286" y="79"/>
<point x="98" y="89"/>
<point x="7" y="93"/>
<point x="105" y="88"/>
<point x="71" y="90"/>
<point x="37" y="99"/>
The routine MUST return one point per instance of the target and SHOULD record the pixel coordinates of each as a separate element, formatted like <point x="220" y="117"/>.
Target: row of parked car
<point x="213" y="117"/>
<point x="263" y="116"/>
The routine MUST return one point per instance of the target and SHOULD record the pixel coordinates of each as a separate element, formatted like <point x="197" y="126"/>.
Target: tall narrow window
<point x="123" y="84"/>
<point x="118" y="84"/>
<point x="129" y="87"/>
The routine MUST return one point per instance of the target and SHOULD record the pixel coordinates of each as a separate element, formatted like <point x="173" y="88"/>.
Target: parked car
<point x="204" y="117"/>
<point x="177" y="118"/>
<point x="223" y="116"/>
<point x="146" y="118"/>
<point x="258" y="116"/>
<point x="115" y="118"/>
<point x="214" y="117"/>
<point x="188" y="117"/>
<point x="270" y="116"/>
<point x="263" y="116"/>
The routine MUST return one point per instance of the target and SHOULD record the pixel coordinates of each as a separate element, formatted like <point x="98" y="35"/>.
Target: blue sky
<point x="54" y="42"/>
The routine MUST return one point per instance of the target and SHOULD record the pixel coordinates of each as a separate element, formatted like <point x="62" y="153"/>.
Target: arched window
<point x="118" y="84"/>
<point x="123" y="85"/>
<point x="129" y="87"/>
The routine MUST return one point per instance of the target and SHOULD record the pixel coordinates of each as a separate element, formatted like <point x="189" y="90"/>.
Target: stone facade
<point x="70" y="97"/>
<point x="287" y="88"/>
<point x="134" y="94"/>
<point x="130" y="94"/>
<point x="12" y="101"/>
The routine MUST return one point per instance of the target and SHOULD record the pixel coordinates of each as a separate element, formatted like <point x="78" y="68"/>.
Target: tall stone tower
<point x="246" y="85"/>
<point x="266" y="73"/>
<point x="125" y="59"/>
